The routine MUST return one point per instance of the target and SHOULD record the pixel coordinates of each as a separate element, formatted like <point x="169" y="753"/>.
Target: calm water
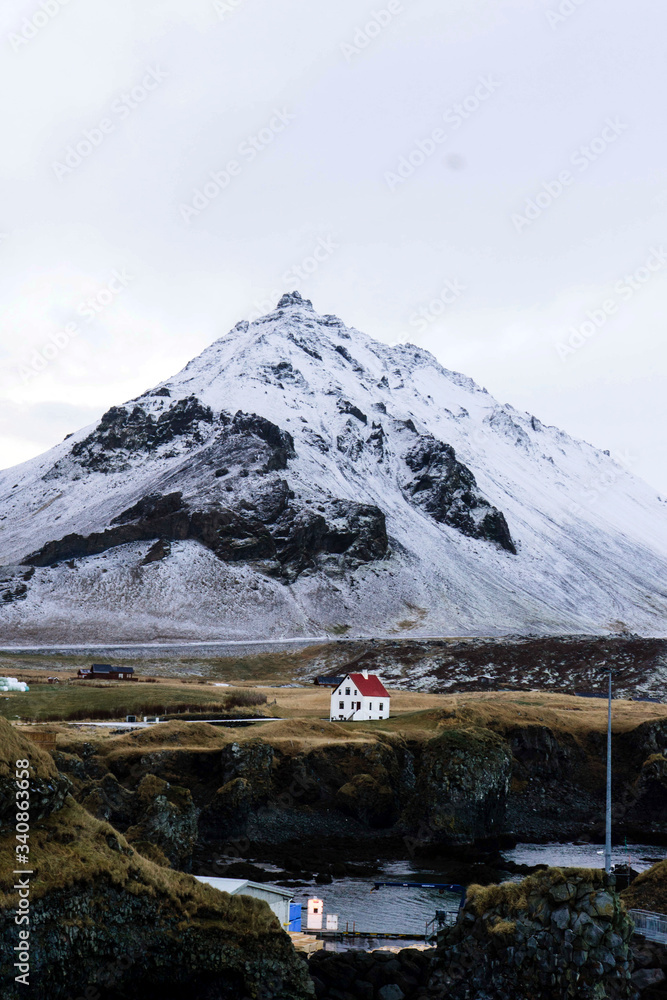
<point x="405" y="911"/>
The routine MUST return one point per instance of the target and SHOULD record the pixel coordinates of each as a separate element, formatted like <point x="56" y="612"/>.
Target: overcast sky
<point x="485" y="178"/>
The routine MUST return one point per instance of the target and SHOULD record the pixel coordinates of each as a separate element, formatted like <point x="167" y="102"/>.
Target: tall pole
<point x="607" y="845"/>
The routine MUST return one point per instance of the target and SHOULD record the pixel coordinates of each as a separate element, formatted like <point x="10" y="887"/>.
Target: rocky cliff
<point x="562" y="933"/>
<point x="443" y="778"/>
<point x="104" y="918"/>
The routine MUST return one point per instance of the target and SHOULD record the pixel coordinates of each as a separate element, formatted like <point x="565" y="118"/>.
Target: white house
<point x="360" y="698"/>
<point x="279" y="899"/>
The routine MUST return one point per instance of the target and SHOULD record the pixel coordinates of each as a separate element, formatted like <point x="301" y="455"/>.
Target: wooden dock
<point x="371" y="935"/>
<point x="306" y="943"/>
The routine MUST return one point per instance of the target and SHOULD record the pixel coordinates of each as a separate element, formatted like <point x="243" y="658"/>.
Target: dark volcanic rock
<point x="647" y="813"/>
<point x="559" y="935"/>
<point x="290" y="538"/>
<point x="157" y="552"/>
<point x="462" y="784"/>
<point x="48" y="788"/>
<point x="447" y="490"/>
<point x="122" y="432"/>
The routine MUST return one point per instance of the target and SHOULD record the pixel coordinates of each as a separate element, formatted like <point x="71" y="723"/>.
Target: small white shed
<point x="278" y="898"/>
<point x="359" y="698"/>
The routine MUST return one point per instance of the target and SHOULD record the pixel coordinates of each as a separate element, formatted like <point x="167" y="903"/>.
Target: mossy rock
<point x="365" y="799"/>
<point x="48" y="788"/>
<point x="104" y="917"/>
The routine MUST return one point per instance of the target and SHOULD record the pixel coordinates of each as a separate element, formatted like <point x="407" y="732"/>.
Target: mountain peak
<point x="294" y="299"/>
<point x="298" y="474"/>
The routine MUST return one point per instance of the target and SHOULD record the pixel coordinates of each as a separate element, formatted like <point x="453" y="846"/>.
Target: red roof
<point x="370" y="687"/>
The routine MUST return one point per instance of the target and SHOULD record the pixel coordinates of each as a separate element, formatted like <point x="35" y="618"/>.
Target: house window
<point x="341" y="704"/>
<point x="355" y="691"/>
<point x="381" y="706"/>
<point x="347" y="690"/>
<point x="370" y="706"/>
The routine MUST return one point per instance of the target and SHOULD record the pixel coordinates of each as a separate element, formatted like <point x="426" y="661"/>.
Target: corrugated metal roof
<point x="230" y="885"/>
<point x="237" y="885"/>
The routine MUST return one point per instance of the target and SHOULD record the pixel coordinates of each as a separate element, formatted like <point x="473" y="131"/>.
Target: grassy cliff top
<point x="649" y="890"/>
<point x="71" y="848"/>
<point x="15" y="745"/>
<point x="512" y="897"/>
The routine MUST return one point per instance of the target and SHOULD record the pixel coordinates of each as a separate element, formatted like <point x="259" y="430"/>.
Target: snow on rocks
<point x="343" y="481"/>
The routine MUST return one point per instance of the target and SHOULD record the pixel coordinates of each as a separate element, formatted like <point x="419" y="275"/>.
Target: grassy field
<point x="280" y="667"/>
<point x="76" y="700"/>
<point x="412" y="712"/>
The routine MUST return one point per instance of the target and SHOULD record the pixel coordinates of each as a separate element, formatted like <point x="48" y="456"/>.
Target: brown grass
<point x="649" y="890"/>
<point x="512" y="897"/>
<point x="72" y="848"/>
<point x="14" y="745"/>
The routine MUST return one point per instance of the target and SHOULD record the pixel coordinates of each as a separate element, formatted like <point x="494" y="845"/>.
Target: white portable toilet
<point x="332" y="921"/>
<point x="314" y="917"/>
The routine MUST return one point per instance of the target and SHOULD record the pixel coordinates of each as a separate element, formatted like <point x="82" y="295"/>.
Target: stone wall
<point x="558" y="934"/>
<point x="650" y="975"/>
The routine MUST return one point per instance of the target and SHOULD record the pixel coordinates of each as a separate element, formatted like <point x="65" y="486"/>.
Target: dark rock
<point x="160" y="550"/>
<point x="447" y="490"/>
<point x="48" y="788"/>
<point x="18" y="592"/>
<point x="123" y="432"/>
<point x="645" y="978"/>
<point x="648" y="808"/>
<point x="168" y="819"/>
<point x="505" y="942"/>
<point x="294" y="299"/>
<point x="365" y="799"/>
<point x="345" y="406"/>
<point x="461" y="786"/>
<point x="363" y="990"/>
<point x="272" y="530"/>
<point x="391" y="992"/>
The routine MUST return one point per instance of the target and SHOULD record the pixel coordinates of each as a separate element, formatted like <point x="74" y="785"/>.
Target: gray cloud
<point x="223" y="74"/>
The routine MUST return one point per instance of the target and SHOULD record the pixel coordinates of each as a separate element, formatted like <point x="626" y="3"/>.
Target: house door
<point x="358" y="705"/>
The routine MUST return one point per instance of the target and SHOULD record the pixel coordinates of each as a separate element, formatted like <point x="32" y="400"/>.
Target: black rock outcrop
<point x="288" y="538"/>
<point x="447" y="490"/>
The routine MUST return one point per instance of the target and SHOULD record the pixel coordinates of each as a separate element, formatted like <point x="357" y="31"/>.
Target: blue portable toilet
<point x="295" y="917"/>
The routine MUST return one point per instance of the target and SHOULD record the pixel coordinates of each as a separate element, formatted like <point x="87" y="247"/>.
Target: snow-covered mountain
<point x="300" y="478"/>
